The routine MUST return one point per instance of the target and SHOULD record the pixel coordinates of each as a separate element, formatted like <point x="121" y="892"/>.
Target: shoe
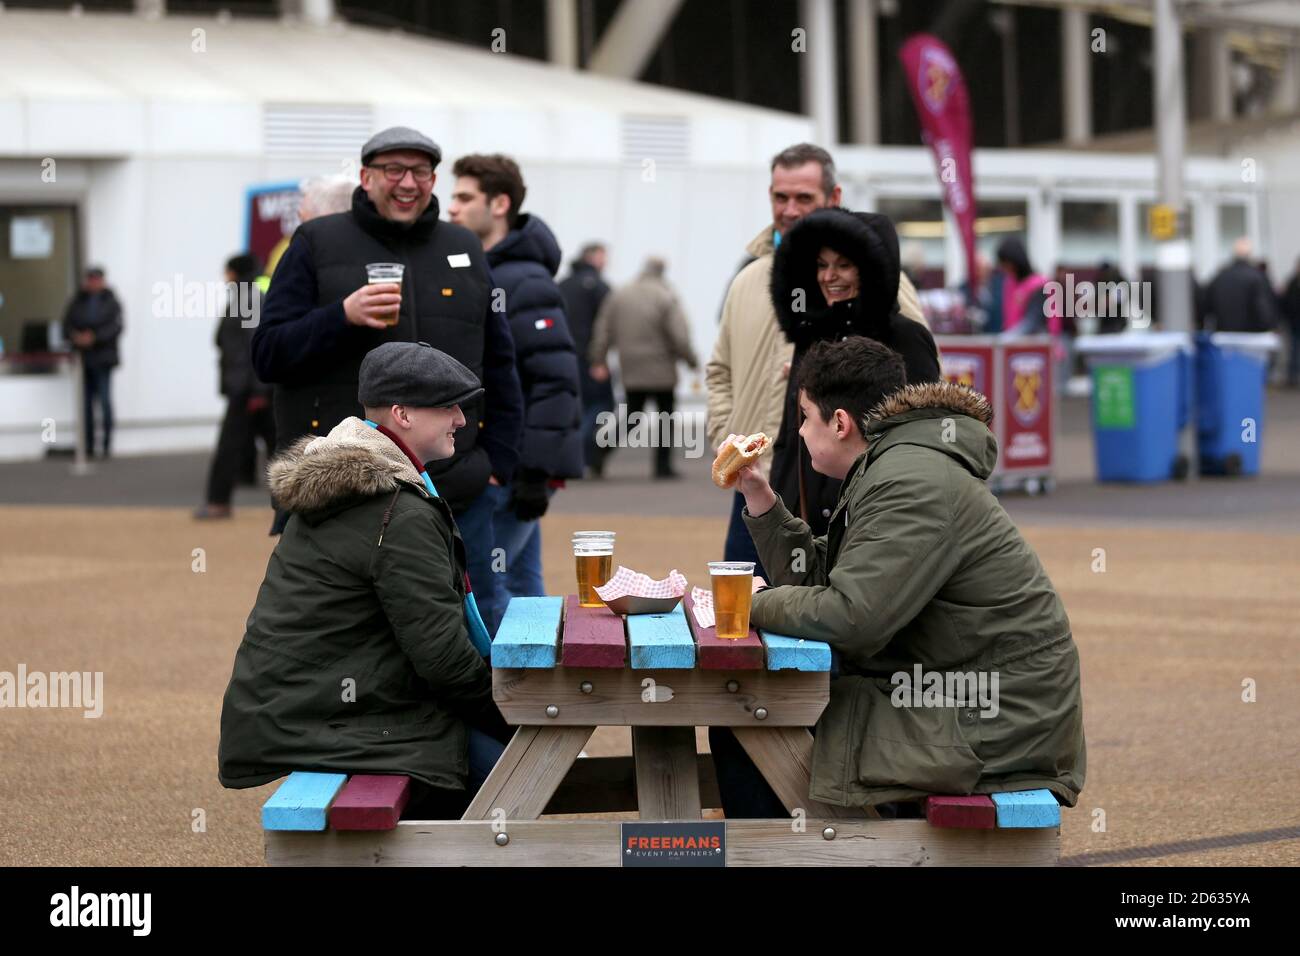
<point x="211" y="512"/>
<point x="666" y="476"/>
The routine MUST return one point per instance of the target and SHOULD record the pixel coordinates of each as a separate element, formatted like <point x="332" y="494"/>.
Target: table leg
<point x="783" y="756"/>
<point x="667" y="776"/>
<point x="530" y="770"/>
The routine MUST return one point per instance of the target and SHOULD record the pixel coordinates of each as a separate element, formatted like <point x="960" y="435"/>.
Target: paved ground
<point x="1199" y="595"/>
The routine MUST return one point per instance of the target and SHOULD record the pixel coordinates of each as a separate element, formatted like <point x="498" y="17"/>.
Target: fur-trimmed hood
<point x="945" y="417"/>
<point x="871" y="243"/>
<point x="317" y="473"/>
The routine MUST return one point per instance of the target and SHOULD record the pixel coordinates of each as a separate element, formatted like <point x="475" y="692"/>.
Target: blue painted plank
<point x="529" y="634"/>
<point x="795" y="653"/>
<point x="302" y="801"/>
<point x="1027" y="809"/>
<point x="660" y="640"/>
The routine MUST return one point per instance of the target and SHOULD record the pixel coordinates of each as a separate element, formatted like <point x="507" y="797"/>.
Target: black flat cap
<point x="415" y="374"/>
<point x="399" y="137"/>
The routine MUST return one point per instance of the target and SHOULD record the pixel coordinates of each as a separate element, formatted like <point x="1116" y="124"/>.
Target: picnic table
<point x="559" y="671"/>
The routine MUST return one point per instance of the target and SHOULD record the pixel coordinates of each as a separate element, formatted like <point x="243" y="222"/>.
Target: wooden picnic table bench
<point x="559" y="671"/>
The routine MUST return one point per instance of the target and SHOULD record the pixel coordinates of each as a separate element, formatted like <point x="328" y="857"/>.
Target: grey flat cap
<point x="415" y="374"/>
<point x="399" y="137"/>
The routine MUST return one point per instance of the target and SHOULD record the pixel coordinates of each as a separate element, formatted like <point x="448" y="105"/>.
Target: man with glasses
<point x="321" y="316"/>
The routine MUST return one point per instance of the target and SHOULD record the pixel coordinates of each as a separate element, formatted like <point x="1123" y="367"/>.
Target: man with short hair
<point x="1240" y="299"/>
<point x="523" y="256"/>
<point x="645" y="324"/>
<point x="322" y="316"/>
<point x="921" y="576"/>
<point x="746" y="374"/>
<point x="363" y="653"/>
<point x="93" y="322"/>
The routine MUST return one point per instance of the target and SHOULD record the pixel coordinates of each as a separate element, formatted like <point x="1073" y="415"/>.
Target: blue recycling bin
<point x="1231" y="374"/>
<point x="1141" y="397"/>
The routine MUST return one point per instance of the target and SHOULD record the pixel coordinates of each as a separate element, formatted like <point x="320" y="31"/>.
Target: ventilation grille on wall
<point x="665" y="139"/>
<point x="315" y="129"/>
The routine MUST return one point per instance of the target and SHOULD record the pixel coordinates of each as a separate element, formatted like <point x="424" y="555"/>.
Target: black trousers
<point x="636" y="402"/>
<point x="240" y="430"/>
<point x="746" y="794"/>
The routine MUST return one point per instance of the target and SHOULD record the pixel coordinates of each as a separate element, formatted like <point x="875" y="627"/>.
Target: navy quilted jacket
<point x="523" y="267"/>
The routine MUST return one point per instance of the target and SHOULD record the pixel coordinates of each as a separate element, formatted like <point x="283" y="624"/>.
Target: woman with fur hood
<point x="835" y="275"/>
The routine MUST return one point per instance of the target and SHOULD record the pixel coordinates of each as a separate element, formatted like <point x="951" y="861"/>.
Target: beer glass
<point x="593" y="553"/>
<point x="733" y="588"/>
<point x="384" y="273"/>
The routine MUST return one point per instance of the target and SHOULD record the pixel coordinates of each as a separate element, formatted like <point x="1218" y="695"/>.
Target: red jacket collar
<point x="419" y="467"/>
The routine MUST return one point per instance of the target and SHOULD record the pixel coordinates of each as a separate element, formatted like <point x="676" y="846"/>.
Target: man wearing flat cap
<point x="363" y="653"/>
<point x="322" y="316"/>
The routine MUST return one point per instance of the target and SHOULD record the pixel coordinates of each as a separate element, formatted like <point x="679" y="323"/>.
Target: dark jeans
<point x="593" y="454"/>
<point x="746" y="794"/>
<point x="439" y="803"/>
<point x="240" y="430"/>
<point x="477" y="531"/>
<point x="740" y="546"/>
<point x="96" y="390"/>
<point x="636" y="401"/>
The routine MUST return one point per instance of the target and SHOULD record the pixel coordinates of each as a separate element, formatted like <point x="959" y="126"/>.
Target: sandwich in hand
<point x="740" y="452"/>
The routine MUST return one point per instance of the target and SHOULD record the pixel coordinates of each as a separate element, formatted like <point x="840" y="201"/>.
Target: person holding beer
<point x="364" y="653"/>
<point x="921" y="573"/>
<point x="389" y="270"/>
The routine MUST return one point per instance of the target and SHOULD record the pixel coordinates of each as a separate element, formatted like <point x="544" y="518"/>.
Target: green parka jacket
<point x="356" y="656"/>
<point x="958" y="670"/>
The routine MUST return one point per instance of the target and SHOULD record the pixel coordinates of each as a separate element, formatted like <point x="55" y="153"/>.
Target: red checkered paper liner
<point x="703" y="602"/>
<point x="626" y="581"/>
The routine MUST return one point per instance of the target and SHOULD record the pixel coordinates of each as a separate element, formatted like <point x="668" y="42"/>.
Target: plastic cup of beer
<point x="733" y="590"/>
<point x="593" y="553"/>
<point x="386" y="273"/>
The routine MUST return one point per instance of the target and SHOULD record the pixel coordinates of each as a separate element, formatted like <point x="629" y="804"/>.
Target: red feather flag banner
<point x="943" y="108"/>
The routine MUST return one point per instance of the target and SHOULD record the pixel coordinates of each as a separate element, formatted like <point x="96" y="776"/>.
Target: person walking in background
<point x="835" y="276"/>
<point x="747" y="372"/>
<point x="248" y="399"/>
<point x="584" y="291"/>
<point x="644" y="323"/>
<point x="524" y="256"/>
<point x="322" y="316"/>
<point x="1239" y="299"/>
<point x="93" y="323"/>
<point x="1290" y="307"/>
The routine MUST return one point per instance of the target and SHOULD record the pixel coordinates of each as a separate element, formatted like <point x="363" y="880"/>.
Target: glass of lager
<point x="733" y="589"/>
<point x="593" y="553"/>
<point x="387" y="273"/>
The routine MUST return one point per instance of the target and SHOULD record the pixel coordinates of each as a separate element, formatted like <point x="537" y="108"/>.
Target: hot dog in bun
<point x="737" y="454"/>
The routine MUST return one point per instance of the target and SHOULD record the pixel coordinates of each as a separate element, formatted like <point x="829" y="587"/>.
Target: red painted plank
<point x="715" y="653"/>
<point x="593" y="636"/>
<point x="370" y="802"/>
<point x="976" y="812"/>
